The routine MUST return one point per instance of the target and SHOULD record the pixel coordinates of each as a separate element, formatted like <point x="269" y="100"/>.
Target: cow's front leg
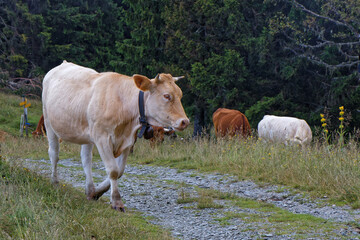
<point x="121" y="160"/>
<point x="113" y="170"/>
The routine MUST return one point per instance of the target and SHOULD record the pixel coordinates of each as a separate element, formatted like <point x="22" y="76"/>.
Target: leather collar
<point x="145" y="126"/>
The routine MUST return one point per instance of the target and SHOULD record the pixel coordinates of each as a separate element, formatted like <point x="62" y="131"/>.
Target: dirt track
<point x="155" y="190"/>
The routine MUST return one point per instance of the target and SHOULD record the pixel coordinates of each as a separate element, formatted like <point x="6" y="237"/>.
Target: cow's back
<point x="230" y="122"/>
<point x="284" y="129"/>
<point x="67" y="90"/>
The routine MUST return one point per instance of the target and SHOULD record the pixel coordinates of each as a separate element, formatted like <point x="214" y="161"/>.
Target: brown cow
<point x="40" y="129"/>
<point x="90" y="108"/>
<point x="159" y="133"/>
<point x="229" y="122"/>
<point x="156" y="136"/>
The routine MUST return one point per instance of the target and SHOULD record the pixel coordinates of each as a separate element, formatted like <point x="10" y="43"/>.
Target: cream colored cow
<point x="287" y="130"/>
<point x="89" y="108"/>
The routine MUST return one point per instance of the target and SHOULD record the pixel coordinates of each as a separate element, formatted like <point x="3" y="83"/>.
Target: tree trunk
<point x="199" y="122"/>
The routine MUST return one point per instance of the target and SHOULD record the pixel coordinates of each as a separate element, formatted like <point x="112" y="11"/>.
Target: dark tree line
<point x="283" y="57"/>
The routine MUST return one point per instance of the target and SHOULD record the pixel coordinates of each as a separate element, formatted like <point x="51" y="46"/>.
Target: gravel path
<point x="155" y="190"/>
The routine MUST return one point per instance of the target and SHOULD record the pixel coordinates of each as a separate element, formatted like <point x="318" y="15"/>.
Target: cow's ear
<point x="142" y="82"/>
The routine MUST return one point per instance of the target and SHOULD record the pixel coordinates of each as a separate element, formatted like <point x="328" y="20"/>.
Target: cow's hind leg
<point x="86" y="159"/>
<point x="92" y="193"/>
<point x="102" y="188"/>
<point x="53" y="153"/>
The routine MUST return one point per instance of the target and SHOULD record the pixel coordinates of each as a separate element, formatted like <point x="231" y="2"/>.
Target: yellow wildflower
<point x="326" y="131"/>
<point x="323" y="120"/>
<point x="324" y="125"/>
<point x="322" y="115"/>
<point x="341" y="126"/>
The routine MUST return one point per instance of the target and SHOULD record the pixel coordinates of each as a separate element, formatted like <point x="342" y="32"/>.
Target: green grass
<point x="205" y="198"/>
<point x="32" y="208"/>
<point x="277" y="220"/>
<point x="318" y="170"/>
<point x="11" y="113"/>
<point x="262" y="216"/>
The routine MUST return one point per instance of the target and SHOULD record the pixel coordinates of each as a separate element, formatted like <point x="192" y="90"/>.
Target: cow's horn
<point x="157" y="78"/>
<point x="178" y="78"/>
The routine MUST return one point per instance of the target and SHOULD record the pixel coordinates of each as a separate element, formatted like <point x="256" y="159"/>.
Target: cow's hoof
<point x="55" y="182"/>
<point x="96" y="197"/>
<point x="120" y="209"/>
<point x="93" y="196"/>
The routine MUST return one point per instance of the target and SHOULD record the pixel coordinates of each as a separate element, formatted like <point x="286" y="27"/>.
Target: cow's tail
<point x="246" y="129"/>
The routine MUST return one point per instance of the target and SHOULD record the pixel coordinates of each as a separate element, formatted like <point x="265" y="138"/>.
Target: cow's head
<point x="37" y="134"/>
<point x="163" y="105"/>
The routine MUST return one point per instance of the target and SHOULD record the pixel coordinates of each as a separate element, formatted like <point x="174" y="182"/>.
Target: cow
<point x="83" y="106"/>
<point x="159" y="134"/>
<point x="156" y="136"/>
<point x="40" y="129"/>
<point x="230" y="122"/>
<point x="287" y="130"/>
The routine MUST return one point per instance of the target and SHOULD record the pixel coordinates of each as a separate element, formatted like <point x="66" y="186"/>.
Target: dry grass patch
<point x="320" y="169"/>
<point x="32" y="208"/>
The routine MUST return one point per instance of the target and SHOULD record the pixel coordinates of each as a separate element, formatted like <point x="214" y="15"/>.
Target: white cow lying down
<point x="287" y="130"/>
<point x="89" y="108"/>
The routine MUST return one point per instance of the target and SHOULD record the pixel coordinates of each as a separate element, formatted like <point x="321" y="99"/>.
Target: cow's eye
<point x="167" y="97"/>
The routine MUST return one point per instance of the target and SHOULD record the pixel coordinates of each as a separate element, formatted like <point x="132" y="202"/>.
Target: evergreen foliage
<point x="282" y="57"/>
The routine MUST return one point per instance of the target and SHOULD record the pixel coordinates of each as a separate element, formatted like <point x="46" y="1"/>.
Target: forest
<point x="284" y="57"/>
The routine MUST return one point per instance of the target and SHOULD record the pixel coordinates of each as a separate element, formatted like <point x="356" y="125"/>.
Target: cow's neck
<point x="124" y="133"/>
<point x="128" y="103"/>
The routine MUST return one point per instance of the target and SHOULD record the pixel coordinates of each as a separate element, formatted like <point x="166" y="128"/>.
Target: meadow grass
<point x="320" y="169"/>
<point x="10" y="113"/>
<point x="32" y="208"/>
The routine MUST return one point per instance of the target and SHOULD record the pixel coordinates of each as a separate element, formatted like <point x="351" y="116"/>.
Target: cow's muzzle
<point x="182" y="123"/>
